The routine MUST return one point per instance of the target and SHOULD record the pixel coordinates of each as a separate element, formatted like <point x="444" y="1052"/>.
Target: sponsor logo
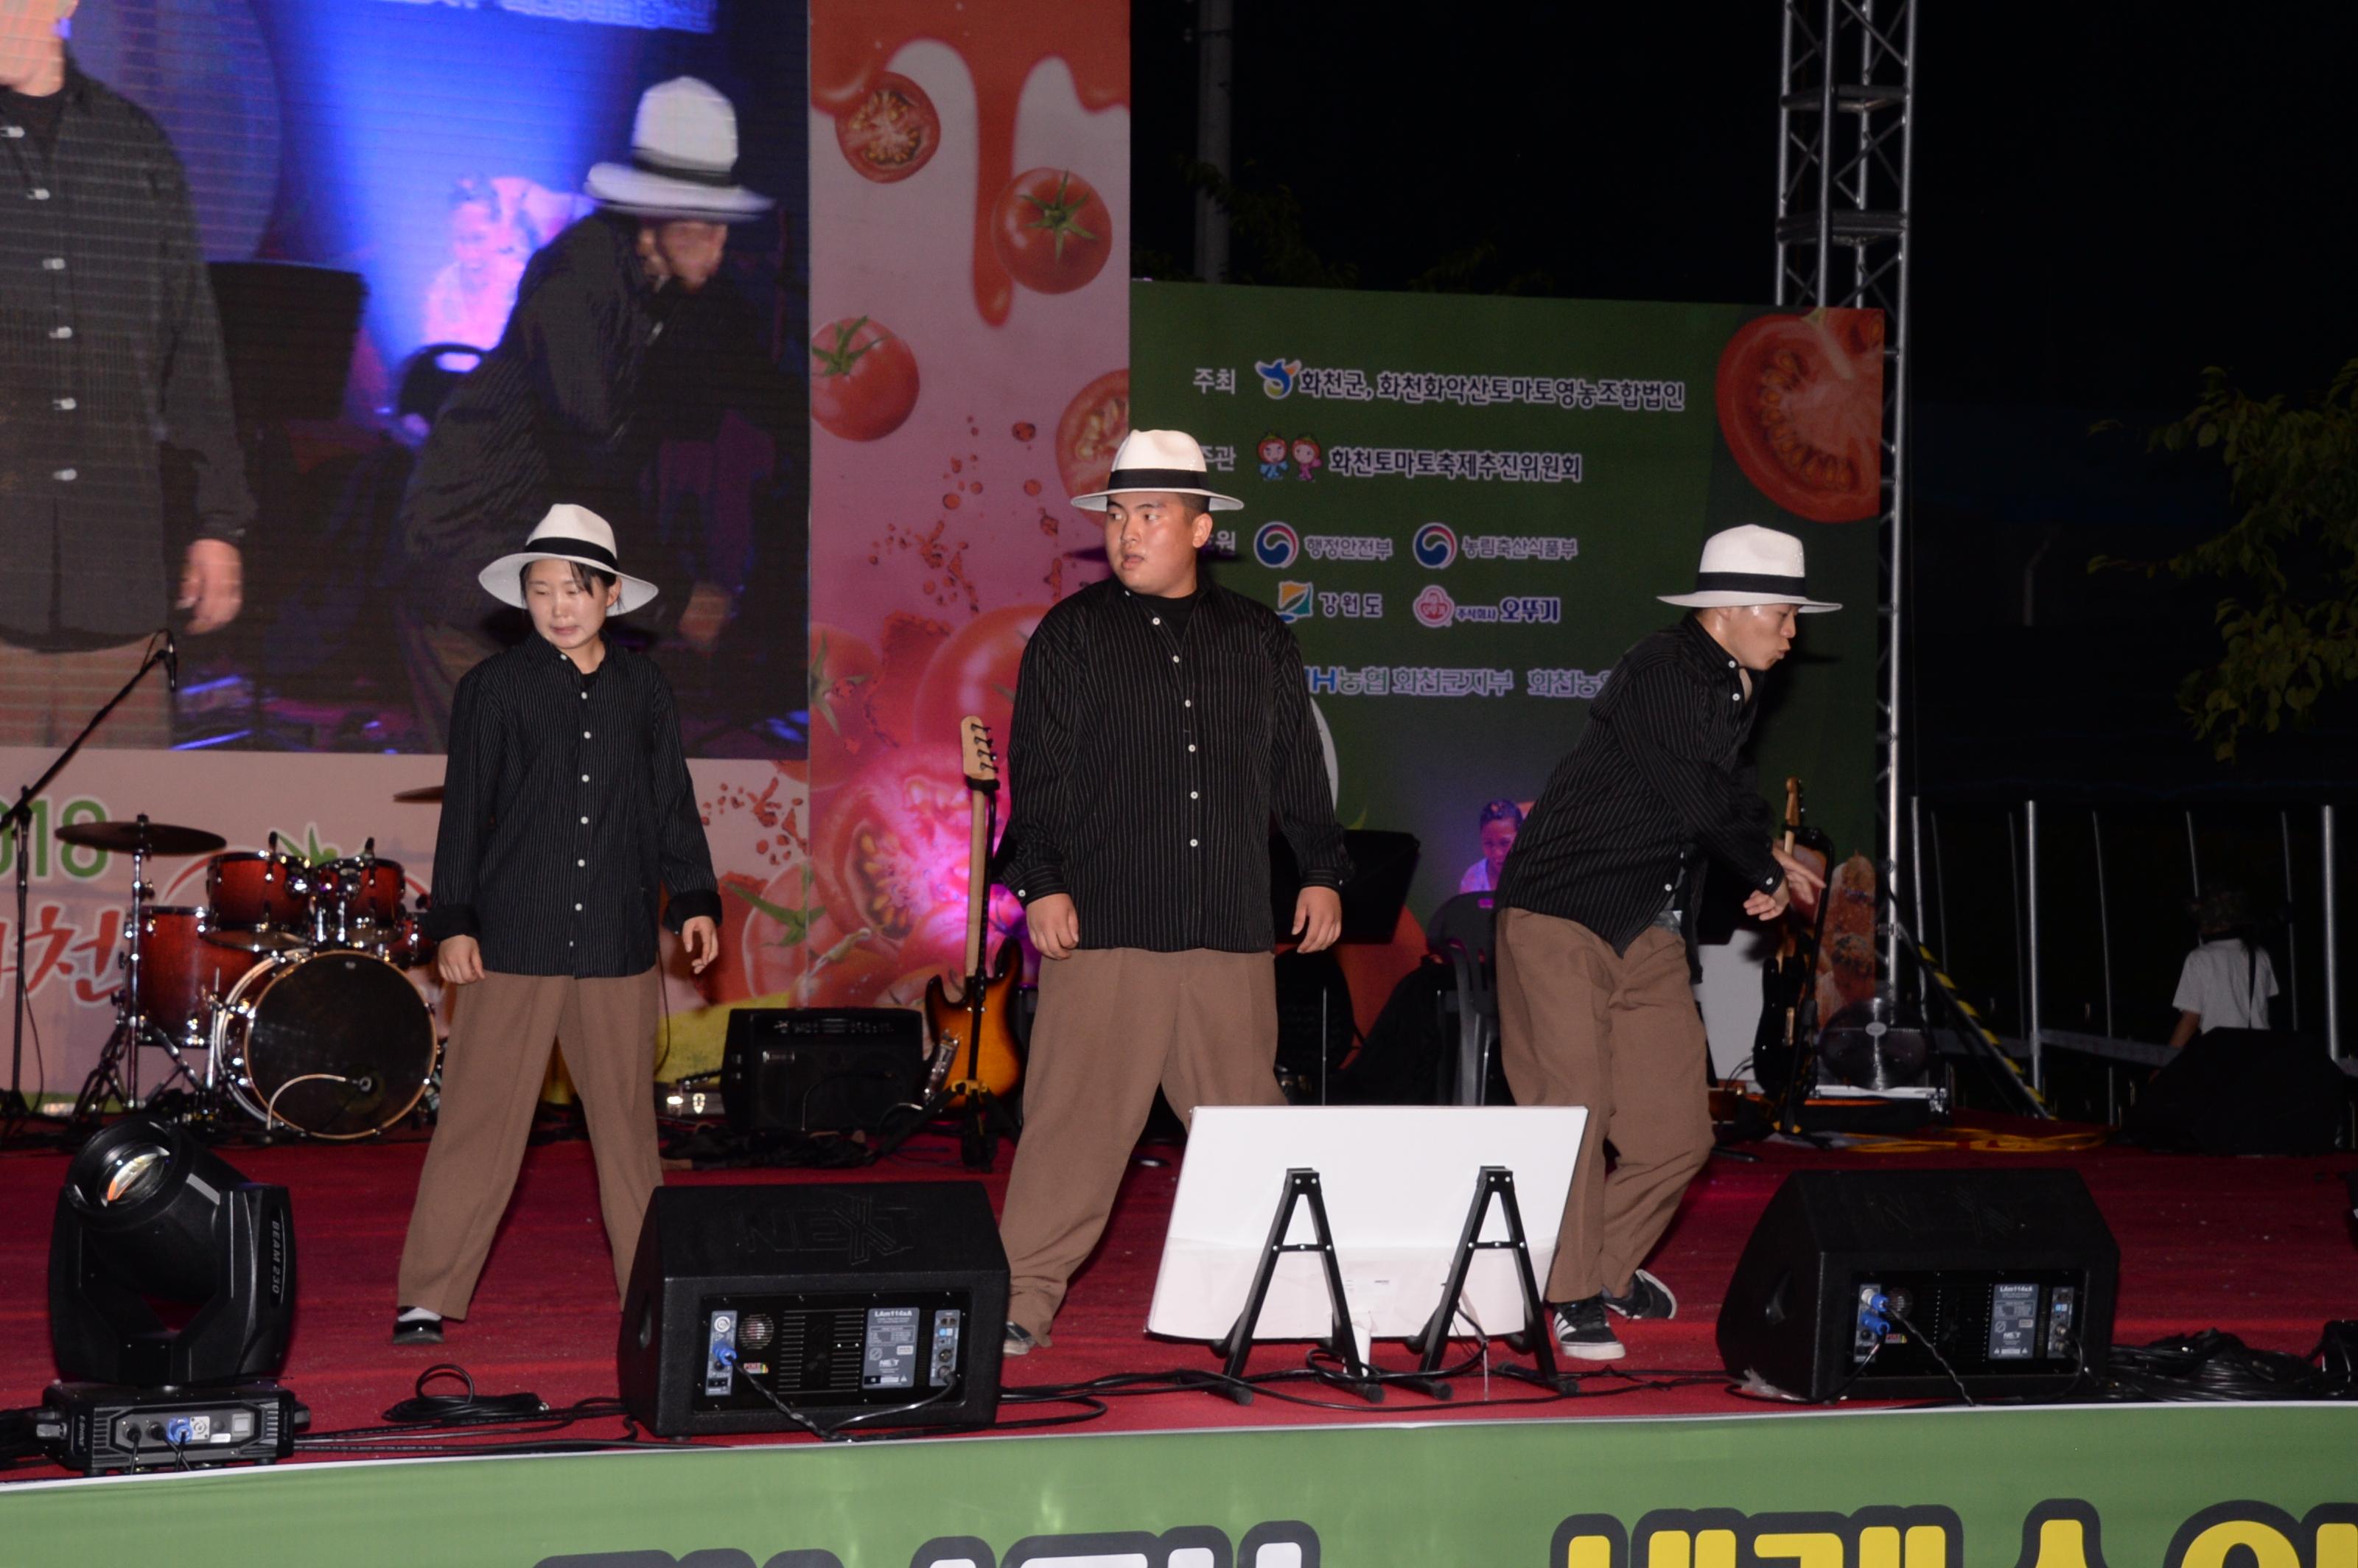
<point x="1349" y="606"/>
<point x="1277" y="376"/>
<point x="1347" y="546"/>
<point x="1435" y="546"/>
<point x="1276" y="546"/>
<point x="1434" y="606"/>
<point x="1295" y="602"/>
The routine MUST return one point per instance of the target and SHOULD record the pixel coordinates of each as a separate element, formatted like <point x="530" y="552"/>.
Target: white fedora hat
<point x="1750" y="565"/>
<point x="567" y="533"/>
<point x="683" y="159"/>
<point x="1167" y="460"/>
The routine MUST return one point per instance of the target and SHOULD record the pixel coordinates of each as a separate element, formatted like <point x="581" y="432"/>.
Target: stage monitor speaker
<point x="874" y="1303"/>
<point x="2244" y="1091"/>
<point x="820" y="1069"/>
<point x="2005" y="1281"/>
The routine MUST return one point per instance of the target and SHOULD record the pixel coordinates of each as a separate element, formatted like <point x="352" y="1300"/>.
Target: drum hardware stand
<point x="18" y="820"/>
<point x="118" y="1060"/>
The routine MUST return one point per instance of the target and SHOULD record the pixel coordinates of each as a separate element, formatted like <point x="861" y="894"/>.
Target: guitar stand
<point x="984" y="1122"/>
<point x="1536" y="1338"/>
<point x="1301" y="1187"/>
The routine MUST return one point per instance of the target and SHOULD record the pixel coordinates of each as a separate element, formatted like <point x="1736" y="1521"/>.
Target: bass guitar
<point x="975" y="1062"/>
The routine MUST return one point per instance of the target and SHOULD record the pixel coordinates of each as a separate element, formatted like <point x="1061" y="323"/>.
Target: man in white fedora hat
<point x="1160" y="723"/>
<point x="566" y="806"/>
<point x="1595" y="912"/>
<point x="565" y="407"/>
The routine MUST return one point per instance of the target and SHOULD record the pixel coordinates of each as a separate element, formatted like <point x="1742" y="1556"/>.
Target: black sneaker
<point x="1583" y="1333"/>
<point x="417" y="1331"/>
<point x="1017" y="1341"/>
<point x="1648" y="1297"/>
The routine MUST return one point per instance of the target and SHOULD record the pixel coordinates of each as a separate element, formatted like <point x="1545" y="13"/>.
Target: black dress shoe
<point x="417" y="1331"/>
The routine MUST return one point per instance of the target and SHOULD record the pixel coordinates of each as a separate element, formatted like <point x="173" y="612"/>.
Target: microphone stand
<point x="17" y="821"/>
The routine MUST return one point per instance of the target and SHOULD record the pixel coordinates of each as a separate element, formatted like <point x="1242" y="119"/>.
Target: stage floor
<point x="2259" y="1248"/>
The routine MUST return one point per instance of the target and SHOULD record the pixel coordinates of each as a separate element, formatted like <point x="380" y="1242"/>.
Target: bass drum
<point x="335" y="1044"/>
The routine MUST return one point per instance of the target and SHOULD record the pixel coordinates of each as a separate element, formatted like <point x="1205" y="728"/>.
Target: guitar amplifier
<point x="820" y="1069"/>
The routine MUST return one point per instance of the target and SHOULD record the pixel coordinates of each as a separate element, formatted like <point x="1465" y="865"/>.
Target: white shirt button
<point x="585" y="778"/>
<point x="585" y="734"/>
<point x="61" y="333"/>
<point x="69" y="475"/>
<point x="39" y="193"/>
<point x="66" y="405"/>
<point x="1188" y="702"/>
<point x="577" y="906"/>
<point x="12" y="132"/>
<point x="1191" y="794"/>
<point x="1735" y="697"/>
<point x="53" y="264"/>
<point x="1668" y="886"/>
<point x="1191" y="843"/>
<point x="1158" y="620"/>
<point x="1021" y="891"/>
<point x="585" y="696"/>
<point x="585" y="819"/>
<point x="1191" y="745"/>
<point x="1174" y="658"/>
<point x="580" y="862"/>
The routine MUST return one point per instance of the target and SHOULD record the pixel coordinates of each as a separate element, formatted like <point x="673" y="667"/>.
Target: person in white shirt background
<point x="2227" y="981"/>
<point x="1501" y="820"/>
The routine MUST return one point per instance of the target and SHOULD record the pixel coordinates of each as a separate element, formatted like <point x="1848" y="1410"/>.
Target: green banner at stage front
<point x="1466" y="507"/>
<point x="2176" y="1486"/>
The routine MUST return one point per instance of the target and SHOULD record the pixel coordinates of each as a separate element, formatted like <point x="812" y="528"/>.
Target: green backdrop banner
<point x="2211" y="1487"/>
<point x="1466" y="506"/>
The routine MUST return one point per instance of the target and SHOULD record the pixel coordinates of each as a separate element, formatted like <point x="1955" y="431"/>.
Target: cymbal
<point x="426" y="794"/>
<point x="155" y="838"/>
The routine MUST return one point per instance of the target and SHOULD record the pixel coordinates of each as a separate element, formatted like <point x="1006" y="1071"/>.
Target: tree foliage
<point x="2288" y="624"/>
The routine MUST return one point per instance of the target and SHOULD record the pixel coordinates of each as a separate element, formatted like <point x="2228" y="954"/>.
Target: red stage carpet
<point x="2260" y="1248"/>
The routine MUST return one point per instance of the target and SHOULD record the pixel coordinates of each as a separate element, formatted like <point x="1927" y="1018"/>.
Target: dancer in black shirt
<point x="1160" y="723"/>
<point x="566" y="805"/>
<point x="1594" y="1003"/>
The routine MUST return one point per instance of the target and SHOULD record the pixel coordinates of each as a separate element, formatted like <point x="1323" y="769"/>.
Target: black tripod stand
<point x="17" y="821"/>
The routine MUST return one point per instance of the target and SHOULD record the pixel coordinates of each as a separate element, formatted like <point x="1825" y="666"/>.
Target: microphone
<point x="171" y="662"/>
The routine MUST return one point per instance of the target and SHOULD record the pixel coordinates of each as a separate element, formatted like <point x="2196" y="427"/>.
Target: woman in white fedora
<point x="565" y="810"/>
<point x="1595" y="918"/>
<point x="557" y="411"/>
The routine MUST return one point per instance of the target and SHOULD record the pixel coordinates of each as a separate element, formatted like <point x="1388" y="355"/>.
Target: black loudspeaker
<point x="815" y="1305"/>
<point x="2244" y="1091"/>
<point x="830" y="1069"/>
<point x="1916" y="1284"/>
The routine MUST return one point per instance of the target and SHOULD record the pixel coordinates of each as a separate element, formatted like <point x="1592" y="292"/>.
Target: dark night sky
<point x="2107" y="199"/>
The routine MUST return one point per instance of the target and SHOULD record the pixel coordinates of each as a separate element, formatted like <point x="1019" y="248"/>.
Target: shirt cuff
<point x="695" y="904"/>
<point x="444" y="921"/>
<point x="1037" y="884"/>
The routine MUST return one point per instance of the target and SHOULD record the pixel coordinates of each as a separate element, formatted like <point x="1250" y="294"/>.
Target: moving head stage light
<point x="150" y="1217"/>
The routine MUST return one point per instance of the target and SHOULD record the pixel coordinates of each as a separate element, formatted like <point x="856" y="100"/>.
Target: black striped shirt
<point x="109" y="357"/>
<point x="1654" y="778"/>
<point x="566" y="805"/>
<point x="1145" y="768"/>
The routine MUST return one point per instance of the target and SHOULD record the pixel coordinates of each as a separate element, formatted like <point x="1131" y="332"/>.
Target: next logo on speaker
<point x="851" y="1226"/>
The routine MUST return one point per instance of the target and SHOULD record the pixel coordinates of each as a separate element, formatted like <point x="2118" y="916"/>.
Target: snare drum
<point x="336" y="1044"/>
<point x="182" y="971"/>
<point x="258" y="901"/>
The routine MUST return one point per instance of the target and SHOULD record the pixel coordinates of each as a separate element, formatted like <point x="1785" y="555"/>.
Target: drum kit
<point x="282" y="995"/>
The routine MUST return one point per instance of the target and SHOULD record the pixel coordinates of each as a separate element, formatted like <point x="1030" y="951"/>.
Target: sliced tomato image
<point x="1800" y="402"/>
<point x="888" y="852"/>
<point x="1050" y="230"/>
<point x="863" y="379"/>
<point x="891" y="132"/>
<point x="1093" y="425"/>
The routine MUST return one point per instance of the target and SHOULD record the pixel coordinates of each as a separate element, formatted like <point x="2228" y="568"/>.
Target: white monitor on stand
<point x="1398" y="1181"/>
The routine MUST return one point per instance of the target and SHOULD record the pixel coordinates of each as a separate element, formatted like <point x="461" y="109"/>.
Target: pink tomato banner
<point x="969" y="218"/>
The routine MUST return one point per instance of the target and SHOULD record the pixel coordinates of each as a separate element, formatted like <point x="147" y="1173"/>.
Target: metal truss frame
<point x="1846" y="112"/>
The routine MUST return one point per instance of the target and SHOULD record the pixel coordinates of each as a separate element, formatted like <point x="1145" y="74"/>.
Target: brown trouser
<point x="1579" y="1024"/>
<point x="46" y="698"/>
<point x="1114" y="1023"/>
<point x="491" y="1071"/>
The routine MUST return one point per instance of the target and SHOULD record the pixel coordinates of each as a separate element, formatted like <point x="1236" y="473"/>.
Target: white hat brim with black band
<point x="1750" y="565"/>
<point x="683" y="159"/>
<point x="567" y="533"/>
<point x="1168" y="462"/>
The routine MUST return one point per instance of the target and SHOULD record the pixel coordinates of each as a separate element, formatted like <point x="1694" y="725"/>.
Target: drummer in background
<point x="567" y="805"/>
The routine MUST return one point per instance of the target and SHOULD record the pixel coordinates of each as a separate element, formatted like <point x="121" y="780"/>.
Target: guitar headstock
<point x="976" y="756"/>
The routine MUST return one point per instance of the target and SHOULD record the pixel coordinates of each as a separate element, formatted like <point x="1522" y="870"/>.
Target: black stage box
<point x="874" y="1303"/>
<point x="820" y="1069"/>
<point x="2006" y="1275"/>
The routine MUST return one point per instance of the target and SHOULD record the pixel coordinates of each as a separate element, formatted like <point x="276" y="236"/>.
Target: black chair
<point x="1460" y="933"/>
